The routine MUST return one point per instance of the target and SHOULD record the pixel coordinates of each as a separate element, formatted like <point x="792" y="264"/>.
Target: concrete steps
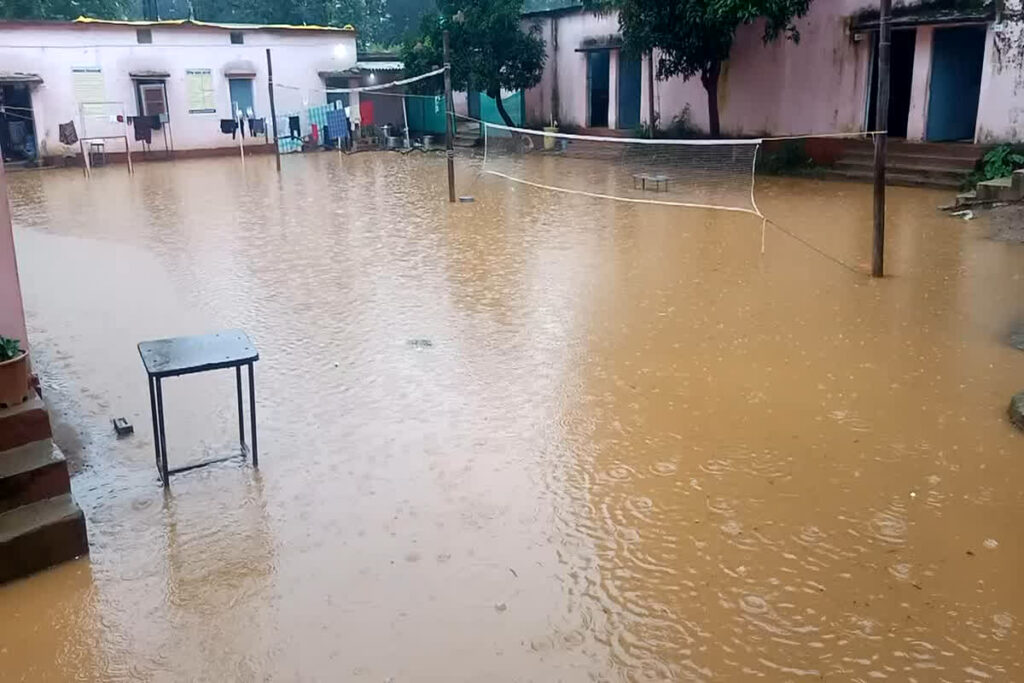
<point x="1008" y="189"/>
<point x="40" y="524"/>
<point x="937" y="165"/>
<point x="31" y="473"/>
<point x="40" y="535"/>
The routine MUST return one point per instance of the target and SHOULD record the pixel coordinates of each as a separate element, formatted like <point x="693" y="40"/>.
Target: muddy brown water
<point x="536" y="437"/>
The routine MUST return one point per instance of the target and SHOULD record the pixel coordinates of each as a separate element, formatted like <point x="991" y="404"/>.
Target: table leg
<point x="156" y="433"/>
<point x="252" y="418"/>
<point x="241" y="413"/>
<point x="163" y="439"/>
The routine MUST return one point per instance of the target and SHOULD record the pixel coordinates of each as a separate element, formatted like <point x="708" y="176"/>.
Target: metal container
<point x="428" y="141"/>
<point x="395" y="142"/>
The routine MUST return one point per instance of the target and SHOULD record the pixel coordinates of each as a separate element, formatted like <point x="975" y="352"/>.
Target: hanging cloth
<point x="68" y="134"/>
<point x="229" y="126"/>
<point x="293" y="127"/>
<point x="257" y="127"/>
<point x="143" y="128"/>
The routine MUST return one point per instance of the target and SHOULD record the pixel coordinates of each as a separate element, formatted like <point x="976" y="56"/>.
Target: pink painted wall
<point x="12" y="313"/>
<point x="818" y="85"/>
<point x="1001" y="106"/>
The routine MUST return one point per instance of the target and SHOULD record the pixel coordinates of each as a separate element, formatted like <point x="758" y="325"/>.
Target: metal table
<point x="188" y="355"/>
<point x="641" y="180"/>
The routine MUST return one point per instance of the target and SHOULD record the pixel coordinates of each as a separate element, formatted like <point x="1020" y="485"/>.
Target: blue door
<point x="597" y="84"/>
<point x="629" y="92"/>
<point x="241" y="95"/>
<point x="957" y="57"/>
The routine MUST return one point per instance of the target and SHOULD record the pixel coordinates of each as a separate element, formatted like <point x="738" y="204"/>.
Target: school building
<point x="181" y="79"/>
<point x="957" y="73"/>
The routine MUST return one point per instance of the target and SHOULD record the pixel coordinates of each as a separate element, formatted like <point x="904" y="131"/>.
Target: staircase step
<point x="902" y="159"/>
<point x="24" y="424"/>
<point x="1000" y="189"/>
<point x="37" y="536"/>
<point x="31" y="473"/>
<point x="927" y="171"/>
<point x="901" y="179"/>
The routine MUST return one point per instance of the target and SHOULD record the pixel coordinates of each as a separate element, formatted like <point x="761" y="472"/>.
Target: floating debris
<point x="466" y="199"/>
<point x="420" y="343"/>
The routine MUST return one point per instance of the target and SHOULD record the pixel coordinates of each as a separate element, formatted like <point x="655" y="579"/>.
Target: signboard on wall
<point x="89" y="91"/>
<point x="199" y="91"/>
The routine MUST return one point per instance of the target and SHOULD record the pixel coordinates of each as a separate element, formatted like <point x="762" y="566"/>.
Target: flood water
<point x="536" y="437"/>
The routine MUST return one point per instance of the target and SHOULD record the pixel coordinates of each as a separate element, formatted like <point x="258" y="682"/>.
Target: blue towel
<point x="337" y="124"/>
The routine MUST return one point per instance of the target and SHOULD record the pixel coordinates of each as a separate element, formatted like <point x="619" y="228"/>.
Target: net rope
<point x="711" y="174"/>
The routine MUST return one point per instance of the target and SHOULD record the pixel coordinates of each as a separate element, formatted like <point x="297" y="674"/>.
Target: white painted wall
<point x="52" y="49"/>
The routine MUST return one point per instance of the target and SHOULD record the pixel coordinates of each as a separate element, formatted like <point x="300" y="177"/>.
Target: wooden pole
<point x="449" y="109"/>
<point x="273" y="109"/>
<point x="881" y="139"/>
<point x="650" y="91"/>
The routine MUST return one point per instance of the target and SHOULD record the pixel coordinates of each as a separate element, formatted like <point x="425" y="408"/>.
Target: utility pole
<point x="273" y="110"/>
<point x="881" y="139"/>
<point x="449" y="111"/>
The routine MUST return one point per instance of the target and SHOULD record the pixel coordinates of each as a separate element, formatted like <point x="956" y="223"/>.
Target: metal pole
<point x="449" y="109"/>
<point x="881" y="139"/>
<point x="273" y="109"/>
<point x="650" y="91"/>
<point x="241" y="137"/>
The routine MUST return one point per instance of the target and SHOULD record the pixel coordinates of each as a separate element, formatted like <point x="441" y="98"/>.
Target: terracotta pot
<point x="14" y="381"/>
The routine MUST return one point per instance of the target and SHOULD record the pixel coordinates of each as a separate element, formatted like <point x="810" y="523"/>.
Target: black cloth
<point x="155" y="122"/>
<point x="143" y="126"/>
<point x="229" y="126"/>
<point x="293" y="127"/>
<point x="68" y="134"/>
<point x="257" y="127"/>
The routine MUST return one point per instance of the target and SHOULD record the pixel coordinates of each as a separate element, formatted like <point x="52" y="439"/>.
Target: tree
<point x="66" y="9"/>
<point x="490" y="52"/>
<point x="694" y="37"/>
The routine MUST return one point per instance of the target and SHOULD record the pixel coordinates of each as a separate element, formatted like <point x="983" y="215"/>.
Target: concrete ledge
<point x="31" y="473"/>
<point x="24" y="424"/>
<point x="40" y="535"/>
<point x="1000" y="189"/>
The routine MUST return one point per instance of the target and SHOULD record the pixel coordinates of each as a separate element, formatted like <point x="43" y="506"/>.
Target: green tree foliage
<point x="490" y="51"/>
<point x="694" y="37"/>
<point x="66" y="9"/>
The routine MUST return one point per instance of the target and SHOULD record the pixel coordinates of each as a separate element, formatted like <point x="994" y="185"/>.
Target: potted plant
<point x="14" y="377"/>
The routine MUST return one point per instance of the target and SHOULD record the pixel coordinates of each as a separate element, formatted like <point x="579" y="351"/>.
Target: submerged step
<point x="31" y="473"/>
<point x="40" y="535"/>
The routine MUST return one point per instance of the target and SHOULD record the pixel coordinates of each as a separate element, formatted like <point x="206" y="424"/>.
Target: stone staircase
<point x="40" y="523"/>
<point x="913" y="164"/>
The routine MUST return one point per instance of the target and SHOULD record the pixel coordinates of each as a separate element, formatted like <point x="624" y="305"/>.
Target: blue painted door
<point x="597" y="84"/>
<point x="241" y="95"/>
<point x="629" y="92"/>
<point x="957" y="57"/>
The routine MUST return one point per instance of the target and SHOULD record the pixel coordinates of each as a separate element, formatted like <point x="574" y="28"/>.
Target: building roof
<point x="348" y="28"/>
<point x="926" y="12"/>
<point x="19" y="77"/>
<point x="550" y="6"/>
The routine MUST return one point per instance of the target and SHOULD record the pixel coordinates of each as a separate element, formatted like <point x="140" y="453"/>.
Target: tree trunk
<point x="501" y="110"/>
<point x="709" y="78"/>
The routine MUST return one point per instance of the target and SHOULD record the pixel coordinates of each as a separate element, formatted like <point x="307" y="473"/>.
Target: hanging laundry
<point x="143" y="128"/>
<point x="293" y="127"/>
<point x="257" y="127"/>
<point x="337" y="124"/>
<point x="155" y="122"/>
<point x="229" y="126"/>
<point x="314" y="134"/>
<point x="68" y="134"/>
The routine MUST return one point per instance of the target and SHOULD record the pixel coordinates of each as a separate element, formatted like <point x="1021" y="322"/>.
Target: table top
<point x="185" y="355"/>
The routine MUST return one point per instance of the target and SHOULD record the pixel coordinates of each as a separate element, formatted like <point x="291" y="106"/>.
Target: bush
<point x="9" y="348"/>
<point x="998" y="162"/>
<point x="789" y="158"/>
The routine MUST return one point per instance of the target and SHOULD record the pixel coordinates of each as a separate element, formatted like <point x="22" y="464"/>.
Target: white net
<point x="716" y="174"/>
<point x="103" y="120"/>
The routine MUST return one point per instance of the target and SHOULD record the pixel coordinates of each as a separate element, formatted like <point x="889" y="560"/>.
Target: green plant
<point x="998" y="162"/>
<point x="788" y="158"/>
<point x="9" y="348"/>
